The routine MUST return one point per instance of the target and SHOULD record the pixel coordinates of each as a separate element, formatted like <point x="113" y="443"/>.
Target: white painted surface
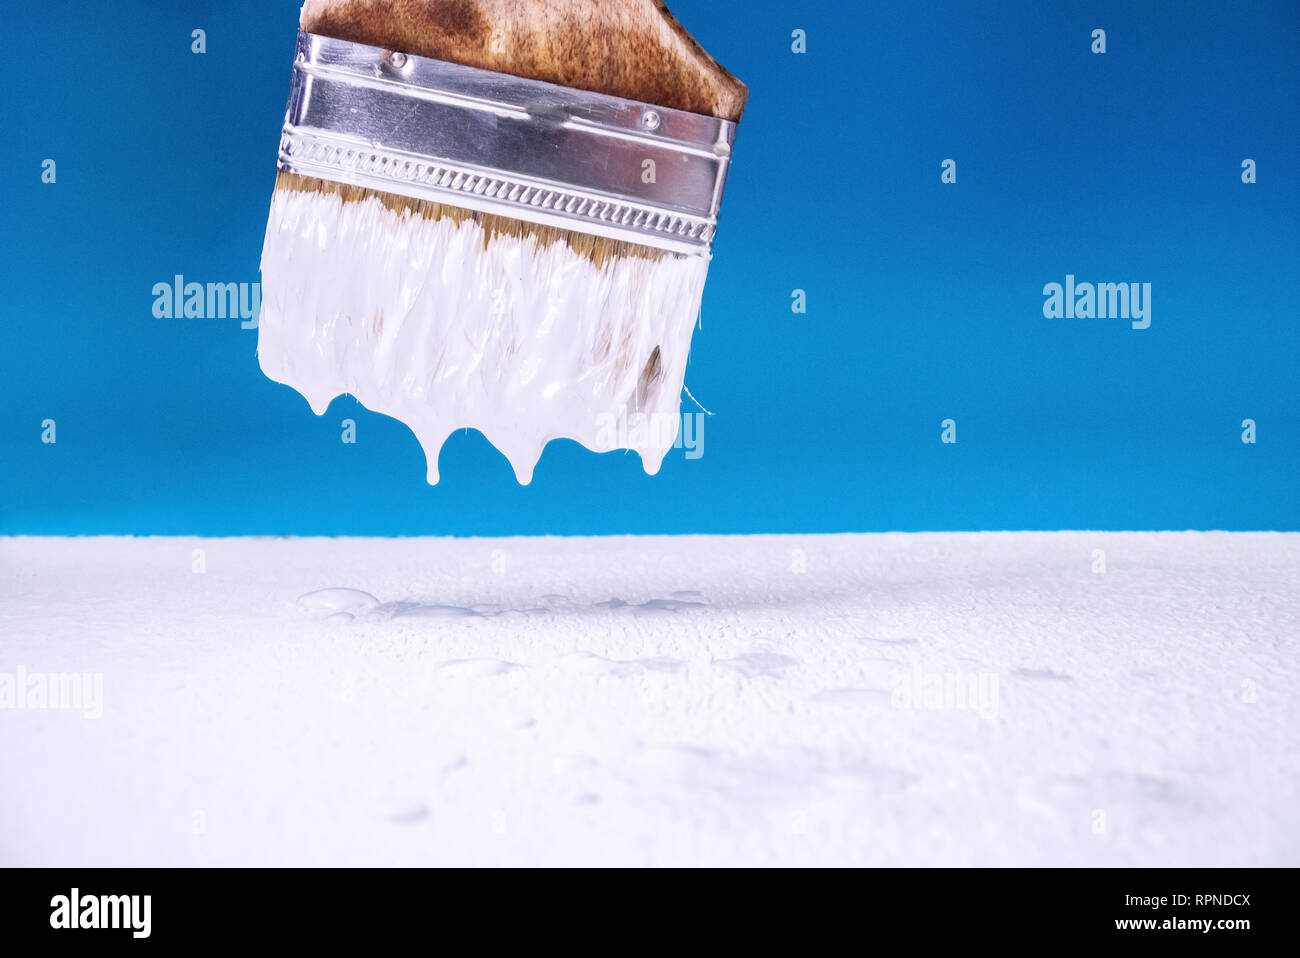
<point x="692" y="700"/>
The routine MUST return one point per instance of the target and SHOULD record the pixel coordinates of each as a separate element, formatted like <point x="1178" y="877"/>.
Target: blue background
<point x="924" y="299"/>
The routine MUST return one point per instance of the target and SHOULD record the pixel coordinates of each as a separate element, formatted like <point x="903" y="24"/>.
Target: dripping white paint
<point x="525" y="342"/>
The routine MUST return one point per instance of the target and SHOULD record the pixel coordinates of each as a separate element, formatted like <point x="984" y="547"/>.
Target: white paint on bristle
<point x="525" y="342"/>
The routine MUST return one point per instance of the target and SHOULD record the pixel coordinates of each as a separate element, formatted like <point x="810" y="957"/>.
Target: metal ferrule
<point x="495" y="143"/>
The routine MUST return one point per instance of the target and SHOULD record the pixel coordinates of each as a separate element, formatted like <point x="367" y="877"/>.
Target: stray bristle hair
<point x="598" y="249"/>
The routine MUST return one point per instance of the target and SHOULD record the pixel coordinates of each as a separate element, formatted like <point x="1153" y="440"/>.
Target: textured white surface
<point x="422" y="321"/>
<point x="692" y="700"/>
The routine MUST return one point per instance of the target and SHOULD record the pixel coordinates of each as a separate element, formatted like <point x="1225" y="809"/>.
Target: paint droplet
<point x="400" y="811"/>
<point x="336" y="600"/>
<point x="475" y="668"/>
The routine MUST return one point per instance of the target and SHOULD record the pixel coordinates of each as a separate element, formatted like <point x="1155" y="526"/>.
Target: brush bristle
<point x="598" y="249"/>
<point x="444" y="318"/>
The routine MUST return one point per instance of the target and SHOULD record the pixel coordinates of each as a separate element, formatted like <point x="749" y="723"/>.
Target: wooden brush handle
<point x="628" y="48"/>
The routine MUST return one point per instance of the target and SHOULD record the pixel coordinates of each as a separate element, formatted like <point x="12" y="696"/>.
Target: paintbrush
<point x="497" y="214"/>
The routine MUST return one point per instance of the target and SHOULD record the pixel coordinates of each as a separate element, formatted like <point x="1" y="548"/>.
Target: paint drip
<point x="430" y="322"/>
